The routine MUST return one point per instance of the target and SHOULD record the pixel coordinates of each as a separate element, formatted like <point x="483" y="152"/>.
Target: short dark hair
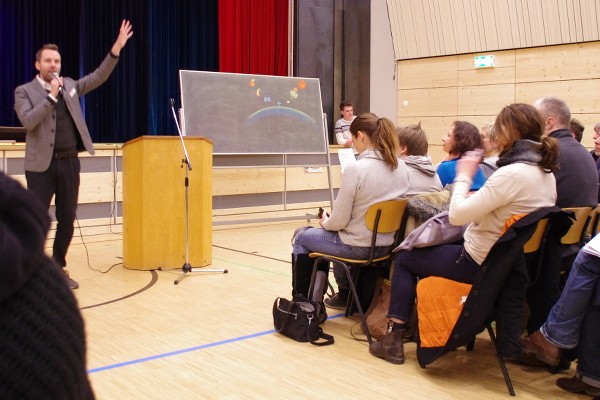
<point x="413" y="137"/>
<point x="577" y="129"/>
<point x="345" y="103"/>
<point x="47" y="46"/>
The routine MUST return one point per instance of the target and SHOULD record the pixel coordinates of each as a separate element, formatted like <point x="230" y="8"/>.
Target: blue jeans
<point x="562" y="328"/>
<point x="588" y="366"/>
<point x="447" y="261"/>
<point x="328" y="242"/>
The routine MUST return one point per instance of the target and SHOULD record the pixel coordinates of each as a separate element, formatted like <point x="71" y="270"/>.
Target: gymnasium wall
<point x="440" y="90"/>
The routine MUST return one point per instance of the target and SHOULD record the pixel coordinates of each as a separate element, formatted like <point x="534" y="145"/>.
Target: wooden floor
<point x="211" y="336"/>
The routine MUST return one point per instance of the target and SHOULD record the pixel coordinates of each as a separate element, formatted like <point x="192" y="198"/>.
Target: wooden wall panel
<point x="502" y="73"/>
<point x="553" y="63"/>
<point x="97" y="187"/>
<point x="502" y="21"/>
<point x="427" y="102"/>
<point x="428" y="73"/>
<point x="444" y="8"/>
<point x="590" y="20"/>
<point x="572" y="92"/>
<point x="427" y="28"/>
<point x="484" y="99"/>
<point x="570" y="72"/>
<point x="300" y="179"/>
<point x="247" y="180"/>
<point x="435" y="127"/>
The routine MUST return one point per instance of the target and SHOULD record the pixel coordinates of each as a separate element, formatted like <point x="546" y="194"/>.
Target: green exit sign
<point x="484" y="61"/>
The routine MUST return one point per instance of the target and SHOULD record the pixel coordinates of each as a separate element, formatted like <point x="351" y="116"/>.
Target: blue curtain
<point x="168" y="36"/>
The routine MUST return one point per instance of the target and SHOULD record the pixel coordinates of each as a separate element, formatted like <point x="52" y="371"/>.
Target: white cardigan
<point x="512" y="190"/>
<point x="364" y="183"/>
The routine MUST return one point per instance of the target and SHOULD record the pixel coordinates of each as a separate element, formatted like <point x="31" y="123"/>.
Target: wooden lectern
<point x="154" y="202"/>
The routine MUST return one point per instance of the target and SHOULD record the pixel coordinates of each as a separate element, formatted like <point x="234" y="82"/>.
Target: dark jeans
<point x="588" y="367"/>
<point x="449" y="261"/>
<point x="61" y="180"/>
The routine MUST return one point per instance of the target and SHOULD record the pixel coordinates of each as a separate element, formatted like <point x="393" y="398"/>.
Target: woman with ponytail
<point x="523" y="183"/>
<point x="377" y="175"/>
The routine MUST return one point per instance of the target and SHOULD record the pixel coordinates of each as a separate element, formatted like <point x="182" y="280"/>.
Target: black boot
<point x="301" y="273"/>
<point x="391" y="347"/>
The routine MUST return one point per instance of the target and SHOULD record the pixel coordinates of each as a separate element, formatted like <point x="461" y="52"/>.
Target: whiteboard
<point x="261" y="114"/>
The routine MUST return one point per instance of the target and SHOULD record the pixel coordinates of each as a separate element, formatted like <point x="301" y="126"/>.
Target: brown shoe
<point x="390" y="347"/>
<point x="576" y="385"/>
<point x="531" y="360"/>
<point x="545" y="351"/>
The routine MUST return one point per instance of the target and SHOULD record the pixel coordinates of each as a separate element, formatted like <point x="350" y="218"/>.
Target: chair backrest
<point x="576" y="232"/>
<point x="535" y="242"/>
<point x="387" y="217"/>
<point x="592" y="228"/>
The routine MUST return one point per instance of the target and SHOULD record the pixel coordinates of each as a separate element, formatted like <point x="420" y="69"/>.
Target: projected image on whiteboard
<point x="253" y="113"/>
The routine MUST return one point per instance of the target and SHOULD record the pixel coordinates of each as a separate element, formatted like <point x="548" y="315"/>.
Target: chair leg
<point x="350" y="301"/>
<point x="471" y="345"/>
<point x="363" y="319"/>
<point x="507" y="380"/>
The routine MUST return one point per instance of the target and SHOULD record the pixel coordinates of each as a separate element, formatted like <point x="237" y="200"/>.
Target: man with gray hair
<point x="576" y="178"/>
<point x="576" y="186"/>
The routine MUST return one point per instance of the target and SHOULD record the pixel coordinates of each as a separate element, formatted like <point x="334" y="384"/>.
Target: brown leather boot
<point x="390" y="347"/>
<point x="576" y="385"/>
<point x="545" y="351"/>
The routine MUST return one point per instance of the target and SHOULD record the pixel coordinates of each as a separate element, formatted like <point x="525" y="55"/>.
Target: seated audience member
<point x="574" y="321"/>
<point x="422" y="177"/>
<point x="462" y="137"/>
<point x="342" y="125"/>
<point x="576" y="128"/>
<point x="523" y="183"/>
<point x="42" y="339"/>
<point x="576" y="178"/>
<point x="596" y="153"/>
<point x="576" y="186"/>
<point x="490" y="153"/>
<point x="377" y="175"/>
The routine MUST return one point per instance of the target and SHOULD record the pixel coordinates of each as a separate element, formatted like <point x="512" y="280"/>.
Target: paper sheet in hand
<point x="346" y="157"/>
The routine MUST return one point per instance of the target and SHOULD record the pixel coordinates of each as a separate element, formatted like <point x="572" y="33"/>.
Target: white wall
<point x="384" y="87"/>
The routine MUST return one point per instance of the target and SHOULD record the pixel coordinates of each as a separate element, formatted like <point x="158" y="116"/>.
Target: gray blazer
<point x="38" y="115"/>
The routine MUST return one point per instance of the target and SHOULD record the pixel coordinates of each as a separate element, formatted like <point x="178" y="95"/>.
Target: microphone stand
<point x="187" y="267"/>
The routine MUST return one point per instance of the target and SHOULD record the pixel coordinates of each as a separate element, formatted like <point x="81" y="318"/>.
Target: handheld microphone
<point x="55" y="76"/>
<point x="172" y="100"/>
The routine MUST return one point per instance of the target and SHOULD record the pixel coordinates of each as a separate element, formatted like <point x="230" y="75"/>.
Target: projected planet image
<point x="279" y="111"/>
<point x="280" y="128"/>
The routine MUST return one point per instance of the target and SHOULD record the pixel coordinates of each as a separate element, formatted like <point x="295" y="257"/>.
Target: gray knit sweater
<point x="364" y="183"/>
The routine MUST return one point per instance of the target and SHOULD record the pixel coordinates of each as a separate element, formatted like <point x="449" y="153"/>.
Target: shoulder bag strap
<point x="287" y="312"/>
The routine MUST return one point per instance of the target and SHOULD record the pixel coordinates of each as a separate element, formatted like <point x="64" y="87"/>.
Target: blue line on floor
<point x="188" y="350"/>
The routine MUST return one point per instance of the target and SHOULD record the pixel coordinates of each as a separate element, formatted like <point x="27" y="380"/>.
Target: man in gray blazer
<point x="49" y="108"/>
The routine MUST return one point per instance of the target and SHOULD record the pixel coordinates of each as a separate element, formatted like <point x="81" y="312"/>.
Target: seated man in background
<point x="342" y="126"/>
<point x="576" y="186"/>
<point x="574" y="320"/>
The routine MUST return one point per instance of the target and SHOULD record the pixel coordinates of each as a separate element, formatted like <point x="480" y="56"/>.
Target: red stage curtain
<point x="253" y="36"/>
